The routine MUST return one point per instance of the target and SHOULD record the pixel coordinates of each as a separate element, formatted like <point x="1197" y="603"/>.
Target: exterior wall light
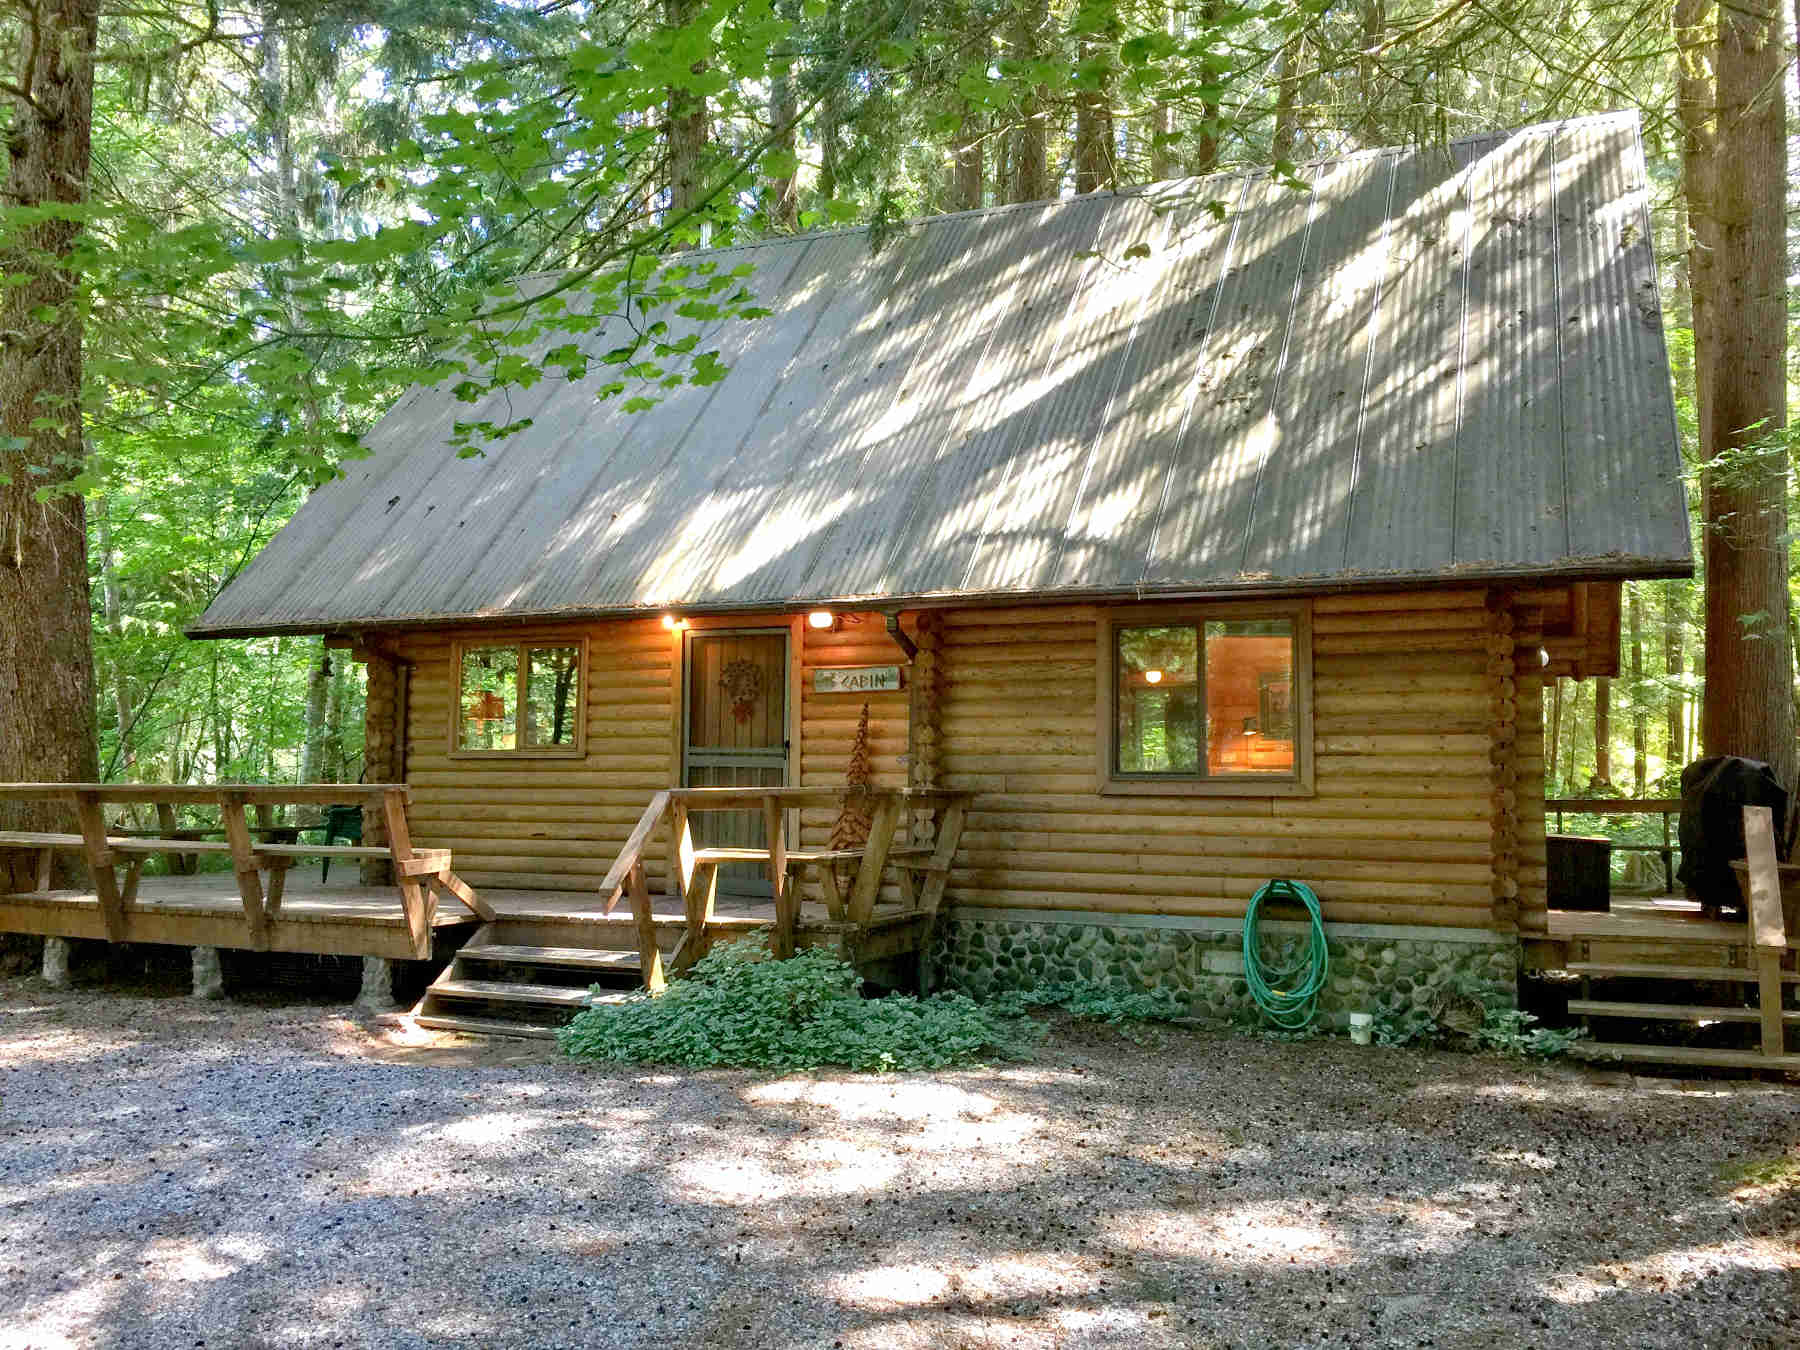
<point x="821" y="618"/>
<point x="1153" y="677"/>
<point x="673" y="624"/>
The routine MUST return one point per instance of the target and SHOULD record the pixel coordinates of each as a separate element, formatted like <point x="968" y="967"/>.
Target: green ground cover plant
<point x="739" y="1008"/>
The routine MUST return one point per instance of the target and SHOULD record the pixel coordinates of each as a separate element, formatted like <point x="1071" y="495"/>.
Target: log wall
<point x="1400" y="829"/>
<point x="555" y="824"/>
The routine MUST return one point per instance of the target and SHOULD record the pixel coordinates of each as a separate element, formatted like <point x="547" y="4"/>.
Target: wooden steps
<point x="1698" y="1056"/>
<point x="574" y="958"/>
<point x="510" y="988"/>
<point x="1722" y="974"/>
<point x="1672" y="1012"/>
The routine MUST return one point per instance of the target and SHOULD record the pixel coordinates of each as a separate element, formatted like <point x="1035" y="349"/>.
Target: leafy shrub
<point x="1097" y="1003"/>
<point x="739" y="1008"/>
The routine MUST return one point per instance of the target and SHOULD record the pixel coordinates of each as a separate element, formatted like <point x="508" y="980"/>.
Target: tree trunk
<point x="684" y="126"/>
<point x="46" y="649"/>
<point x="783" y="202"/>
<point x="318" y="689"/>
<point x="967" y="167"/>
<point x="1555" y="726"/>
<point x="1030" y="178"/>
<point x="1094" y="139"/>
<point x="1602" y="732"/>
<point x="1206" y="135"/>
<point x="1676" y="703"/>
<point x="1640" y="722"/>
<point x="113" y="611"/>
<point x="1739" y="296"/>
<point x="1290" y="70"/>
<point x="1372" y="128"/>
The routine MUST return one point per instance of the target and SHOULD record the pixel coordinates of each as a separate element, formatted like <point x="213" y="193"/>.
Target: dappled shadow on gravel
<point x="181" y="1175"/>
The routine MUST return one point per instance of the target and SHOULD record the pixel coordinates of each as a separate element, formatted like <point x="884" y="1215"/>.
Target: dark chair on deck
<point x="342" y="824"/>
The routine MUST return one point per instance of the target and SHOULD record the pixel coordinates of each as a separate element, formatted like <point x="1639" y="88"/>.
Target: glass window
<point x="490" y="682"/>
<point x="1250" y="696"/>
<point x="1159" y="700"/>
<point x="518" y="698"/>
<point x="1206" y="699"/>
<point x="552" y="694"/>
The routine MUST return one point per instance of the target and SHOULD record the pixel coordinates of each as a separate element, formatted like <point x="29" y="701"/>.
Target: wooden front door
<point x="737" y="736"/>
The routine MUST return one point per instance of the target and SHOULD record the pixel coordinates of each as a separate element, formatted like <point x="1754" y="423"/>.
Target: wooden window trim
<point x="521" y="645"/>
<point x="1112" y="784"/>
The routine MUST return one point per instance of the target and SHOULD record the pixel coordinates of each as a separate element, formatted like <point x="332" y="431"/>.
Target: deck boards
<point x="337" y="919"/>
<point x="1655" y="919"/>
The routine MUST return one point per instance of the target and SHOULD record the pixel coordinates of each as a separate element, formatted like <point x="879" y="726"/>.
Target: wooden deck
<point x="339" y="918"/>
<point x="1659" y="920"/>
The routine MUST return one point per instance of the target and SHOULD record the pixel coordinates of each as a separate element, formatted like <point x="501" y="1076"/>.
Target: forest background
<point x="283" y="214"/>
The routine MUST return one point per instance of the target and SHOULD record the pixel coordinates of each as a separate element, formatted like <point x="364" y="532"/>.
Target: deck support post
<point x="56" y="962"/>
<point x="209" y="973"/>
<point x="377" y="991"/>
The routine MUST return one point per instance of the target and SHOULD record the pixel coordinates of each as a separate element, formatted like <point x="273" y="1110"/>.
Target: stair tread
<point x="1652" y="972"/>
<point x="1685" y="1054"/>
<point x="484" y="1026"/>
<point x="501" y="991"/>
<point x="585" y="958"/>
<point x="1672" y="1012"/>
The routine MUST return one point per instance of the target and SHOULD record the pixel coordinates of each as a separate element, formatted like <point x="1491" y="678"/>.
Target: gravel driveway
<point x="175" y="1174"/>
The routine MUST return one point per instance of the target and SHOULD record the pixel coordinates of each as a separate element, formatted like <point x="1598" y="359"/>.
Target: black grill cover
<point x="1714" y="793"/>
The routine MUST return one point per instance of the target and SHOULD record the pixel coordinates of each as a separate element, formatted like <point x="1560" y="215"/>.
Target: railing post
<point x="1768" y="933"/>
<point x="787" y="906"/>
<point x="649" y="954"/>
<point x="874" y="859"/>
<point x="416" y="899"/>
<point x="100" y="864"/>
<point x="243" y="865"/>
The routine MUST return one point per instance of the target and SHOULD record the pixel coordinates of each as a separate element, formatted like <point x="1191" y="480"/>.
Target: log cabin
<point x="1201" y="533"/>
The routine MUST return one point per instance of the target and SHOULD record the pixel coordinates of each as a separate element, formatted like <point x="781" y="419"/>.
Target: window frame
<point x="521" y="646"/>
<point x="1111" y="782"/>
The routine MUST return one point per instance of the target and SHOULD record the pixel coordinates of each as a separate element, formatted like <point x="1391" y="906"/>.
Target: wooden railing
<point x="418" y="873"/>
<point x="1626" y="806"/>
<point x="924" y="871"/>
<point x="1768" y="931"/>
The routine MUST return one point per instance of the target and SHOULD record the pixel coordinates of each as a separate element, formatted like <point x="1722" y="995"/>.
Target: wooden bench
<point x="260" y="868"/>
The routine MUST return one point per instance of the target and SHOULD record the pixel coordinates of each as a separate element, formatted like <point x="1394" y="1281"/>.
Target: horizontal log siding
<point x="552" y="824"/>
<point x="828" y="722"/>
<point x="1397" y="832"/>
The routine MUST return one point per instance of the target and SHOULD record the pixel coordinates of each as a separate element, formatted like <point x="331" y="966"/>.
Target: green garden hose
<point x="1288" y="994"/>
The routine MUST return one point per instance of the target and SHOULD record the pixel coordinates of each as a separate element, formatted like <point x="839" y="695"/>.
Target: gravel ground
<point x="175" y="1174"/>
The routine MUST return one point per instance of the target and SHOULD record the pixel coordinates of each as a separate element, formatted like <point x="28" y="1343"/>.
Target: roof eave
<point x="1606" y="568"/>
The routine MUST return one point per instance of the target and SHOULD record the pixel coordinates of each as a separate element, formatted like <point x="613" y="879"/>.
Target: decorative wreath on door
<point x="742" y="682"/>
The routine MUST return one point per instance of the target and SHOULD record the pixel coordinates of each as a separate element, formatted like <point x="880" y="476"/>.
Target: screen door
<point x="737" y="736"/>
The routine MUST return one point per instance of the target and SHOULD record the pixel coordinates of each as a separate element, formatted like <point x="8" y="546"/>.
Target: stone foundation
<point x="1388" y="971"/>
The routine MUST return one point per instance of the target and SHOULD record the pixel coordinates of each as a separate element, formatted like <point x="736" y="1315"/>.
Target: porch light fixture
<point x="821" y="618"/>
<point x="673" y="624"/>
<point x="1250" y="727"/>
<point x="1153" y="677"/>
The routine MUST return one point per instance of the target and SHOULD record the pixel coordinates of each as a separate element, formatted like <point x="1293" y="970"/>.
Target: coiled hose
<point x="1288" y="994"/>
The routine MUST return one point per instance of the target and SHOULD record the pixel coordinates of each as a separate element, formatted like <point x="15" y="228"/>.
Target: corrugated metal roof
<point x="1427" y="365"/>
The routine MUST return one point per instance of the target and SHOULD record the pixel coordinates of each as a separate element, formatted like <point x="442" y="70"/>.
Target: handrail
<point x="1766" y="923"/>
<point x="1615" y="806"/>
<point x="695" y="879"/>
<point x="252" y="794"/>
<point x="1626" y="806"/>
<point x="416" y="872"/>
